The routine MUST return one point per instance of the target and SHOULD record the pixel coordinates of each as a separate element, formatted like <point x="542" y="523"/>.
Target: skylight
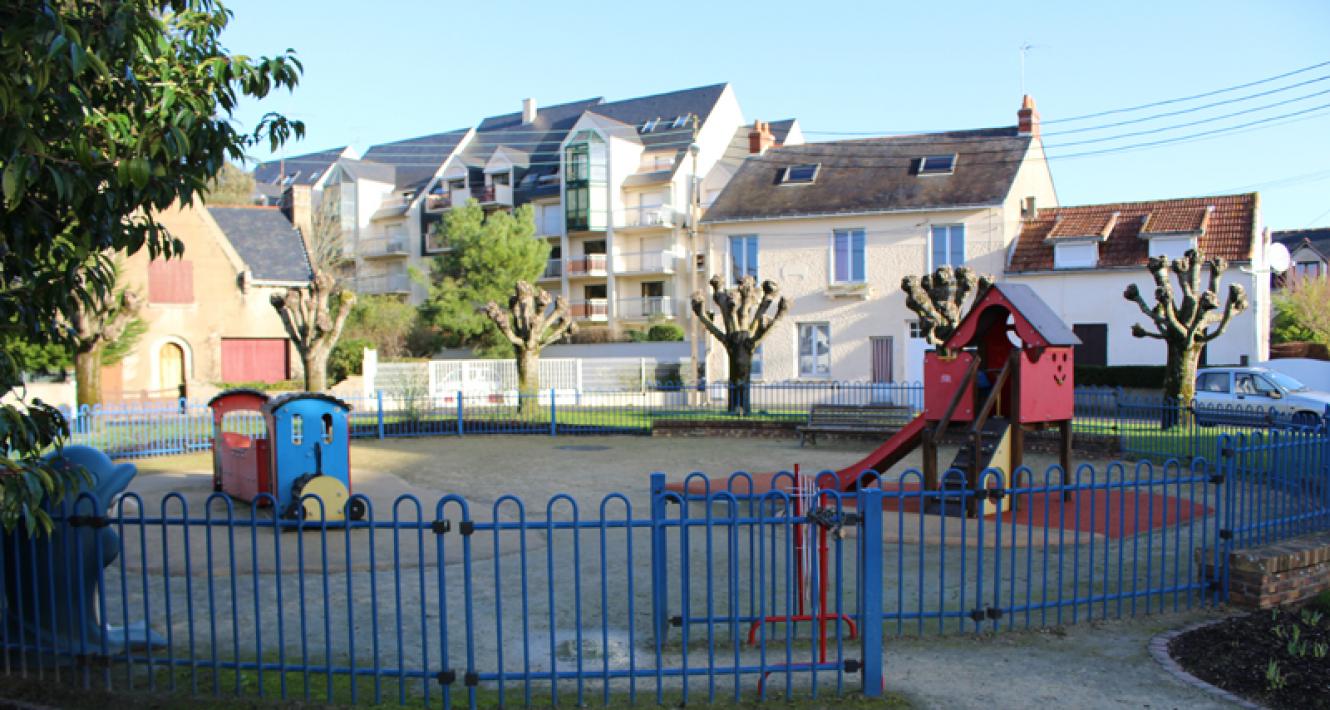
<point x="799" y="174"/>
<point x="680" y="121"/>
<point x="937" y="164"/>
<point x="650" y="125"/>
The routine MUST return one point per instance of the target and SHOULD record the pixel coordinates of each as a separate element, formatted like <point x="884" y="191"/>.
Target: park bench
<point x="853" y="419"/>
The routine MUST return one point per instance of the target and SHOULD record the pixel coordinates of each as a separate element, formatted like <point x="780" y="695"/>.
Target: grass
<point x="63" y="695"/>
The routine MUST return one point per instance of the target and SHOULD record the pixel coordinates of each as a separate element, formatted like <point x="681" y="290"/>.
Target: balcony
<point x="644" y="262"/>
<point x="592" y="309"/>
<point x="648" y="217"/>
<point x="391" y="206"/>
<point x="386" y="284"/>
<point x="553" y="270"/>
<point x="384" y="247"/>
<point x="493" y="195"/>
<point x="646" y="308"/>
<point x="438" y="203"/>
<point x="588" y="265"/>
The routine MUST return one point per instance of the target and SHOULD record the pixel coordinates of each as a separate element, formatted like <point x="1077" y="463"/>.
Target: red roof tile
<point x="1080" y="225"/>
<point x="1228" y="221"/>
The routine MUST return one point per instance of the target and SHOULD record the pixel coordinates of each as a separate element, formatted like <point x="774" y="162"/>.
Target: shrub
<point x="665" y="333"/>
<point x="347" y="358"/>
<point x="1138" y="376"/>
<point x="278" y="386"/>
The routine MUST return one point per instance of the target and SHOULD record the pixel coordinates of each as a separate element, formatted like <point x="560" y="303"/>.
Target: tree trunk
<point x="88" y="375"/>
<point x="1180" y="383"/>
<point x="741" y="371"/>
<point x="316" y="368"/>
<point x="528" y="380"/>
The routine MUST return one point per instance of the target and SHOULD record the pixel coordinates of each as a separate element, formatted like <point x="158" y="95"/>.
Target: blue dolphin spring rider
<point x="51" y="580"/>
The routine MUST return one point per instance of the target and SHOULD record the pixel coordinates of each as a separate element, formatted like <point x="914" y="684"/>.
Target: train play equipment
<point x="295" y="448"/>
<point x="1010" y="370"/>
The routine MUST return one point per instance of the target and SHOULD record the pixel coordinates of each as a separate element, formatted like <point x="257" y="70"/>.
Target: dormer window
<point x="799" y="174"/>
<point x="937" y="164"/>
<point x="650" y="125"/>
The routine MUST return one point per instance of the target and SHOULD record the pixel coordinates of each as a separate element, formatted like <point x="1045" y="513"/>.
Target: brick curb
<point x="1159" y="649"/>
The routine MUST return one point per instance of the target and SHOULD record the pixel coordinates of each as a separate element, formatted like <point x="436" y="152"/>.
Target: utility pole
<point x="694" y="210"/>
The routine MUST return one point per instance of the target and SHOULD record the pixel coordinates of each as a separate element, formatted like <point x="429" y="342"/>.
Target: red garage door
<point x="254" y="359"/>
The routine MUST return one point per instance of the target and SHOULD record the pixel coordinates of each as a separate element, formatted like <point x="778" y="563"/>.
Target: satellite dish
<point x="1279" y="258"/>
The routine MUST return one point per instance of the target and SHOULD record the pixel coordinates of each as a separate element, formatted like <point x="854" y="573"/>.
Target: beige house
<point x="838" y="225"/>
<point x="208" y="314"/>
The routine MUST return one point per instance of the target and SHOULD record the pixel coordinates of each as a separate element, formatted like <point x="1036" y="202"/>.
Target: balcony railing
<point x="597" y="309"/>
<point x="644" y="217"/>
<point x="394" y="201"/>
<point x="644" y="262"/>
<point x="390" y="283"/>
<point x="438" y="203"/>
<point x="553" y="269"/>
<point x="646" y="307"/>
<point x="588" y="265"/>
<point x="383" y="247"/>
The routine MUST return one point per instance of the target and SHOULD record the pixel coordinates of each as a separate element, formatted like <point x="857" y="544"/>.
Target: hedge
<point x="1139" y="376"/>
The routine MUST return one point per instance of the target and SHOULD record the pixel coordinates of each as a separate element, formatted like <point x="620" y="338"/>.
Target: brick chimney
<point x="528" y="111"/>
<point x="1027" y="119"/>
<point x="760" y="138"/>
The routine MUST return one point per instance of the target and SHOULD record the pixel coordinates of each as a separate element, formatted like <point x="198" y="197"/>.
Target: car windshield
<point x="1284" y="381"/>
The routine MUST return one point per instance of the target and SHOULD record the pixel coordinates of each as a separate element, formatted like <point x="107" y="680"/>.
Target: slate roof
<point x="540" y="140"/>
<point x="307" y="168"/>
<point x="265" y="241"/>
<point x="416" y="159"/>
<point x="366" y="170"/>
<point x="875" y="175"/>
<point x="698" y="101"/>
<point x="1228" y="220"/>
<point x="780" y="130"/>
<point x="1318" y="239"/>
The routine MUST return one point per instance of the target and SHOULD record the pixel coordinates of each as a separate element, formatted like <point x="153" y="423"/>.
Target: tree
<point x="939" y="299"/>
<point x="384" y="321"/>
<point x="314" y="316"/>
<point x="230" y="186"/>
<point x="1183" y="325"/>
<point x="536" y="321"/>
<point x="487" y="256"/>
<point x="743" y="315"/>
<point x="1301" y="312"/>
<point x="95" y="324"/>
<point x="109" y="112"/>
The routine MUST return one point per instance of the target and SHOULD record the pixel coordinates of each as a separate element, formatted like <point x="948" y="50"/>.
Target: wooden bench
<point x="853" y="419"/>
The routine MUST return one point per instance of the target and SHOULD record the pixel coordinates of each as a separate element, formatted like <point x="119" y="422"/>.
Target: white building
<point x="1080" y="260"/>
<point x="838" y="225"/>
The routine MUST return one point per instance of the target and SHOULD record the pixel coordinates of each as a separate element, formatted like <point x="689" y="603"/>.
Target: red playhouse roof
<point x="1035" y="323"/>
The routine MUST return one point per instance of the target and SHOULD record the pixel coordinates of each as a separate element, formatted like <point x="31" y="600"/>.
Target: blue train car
<point x="309" y="438"/>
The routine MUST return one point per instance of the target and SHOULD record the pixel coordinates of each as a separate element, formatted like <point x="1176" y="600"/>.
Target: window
<point x="1075" y="255"/>
<point x="755" y="372"/>
<point x="680" y="121"/>
<point x="937" y="165"/>
<point x="743" y="258"/>
<point x="1171" y="247"/>
<point x="947" y="243"/>
<point x="847" y="256"/>
<point x="170" y="281"/>
<point x="814" y="350"/>
<point x="1212" y="382"/>
<point x="1093" y="349"/>
<point x="297" y="429"/>
<point x="1244" y="383"/>
<point x="650" y="126"/>
<point x="799" y="174"/>
<point x="578" y="205"/>
<point x="578" y="160"/>
<point x="916" y="329"/>
<point x="1308" y="268"/>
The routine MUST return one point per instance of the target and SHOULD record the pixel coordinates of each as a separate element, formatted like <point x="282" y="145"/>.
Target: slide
<point x="887" y="455"/>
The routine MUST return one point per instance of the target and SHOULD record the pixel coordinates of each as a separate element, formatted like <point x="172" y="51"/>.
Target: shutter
<point x="254" y="360"/>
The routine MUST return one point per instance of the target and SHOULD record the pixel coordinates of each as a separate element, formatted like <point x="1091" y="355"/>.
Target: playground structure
<point x="300" y="464"/>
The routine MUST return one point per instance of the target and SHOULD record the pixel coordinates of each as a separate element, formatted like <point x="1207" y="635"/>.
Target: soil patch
<point x="1278" y="657"/>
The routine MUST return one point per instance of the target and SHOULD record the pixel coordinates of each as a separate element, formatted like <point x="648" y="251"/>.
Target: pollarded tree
<point x="745" y="322"/>
<point x="1183" y="325"/>
<point x="939" y="299"/>
<point x="313" y="316"/>
<point x="531" y="321"/>
<point x="96" y="323"/>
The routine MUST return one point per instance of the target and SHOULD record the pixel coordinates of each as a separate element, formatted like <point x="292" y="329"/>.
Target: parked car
<point x="1256" y="395"/>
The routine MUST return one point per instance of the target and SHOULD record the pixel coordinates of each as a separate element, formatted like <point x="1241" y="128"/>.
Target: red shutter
<point x="171" y="281"/>
<point x="254" y="359"/>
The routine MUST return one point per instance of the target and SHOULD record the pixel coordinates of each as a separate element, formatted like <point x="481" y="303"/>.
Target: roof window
<point x="937" y="164"/>
<point x="799" y="174"/>
<point x="680" y="121"/>
<point x="650" y="125"/>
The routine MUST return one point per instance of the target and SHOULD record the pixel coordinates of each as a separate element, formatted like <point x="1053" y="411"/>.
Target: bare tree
<point x="745" y="323"/>
<point x="308" y="314"/>
<point x="531" y="321"/>
<point x="96" y="322"/>
<point x="1182" y="325"/>
<point x="939" y="299"/>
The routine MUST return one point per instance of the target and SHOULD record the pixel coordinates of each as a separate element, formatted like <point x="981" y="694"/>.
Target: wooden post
<point x="1065" y="455"/>
<point x="930" y="461"/>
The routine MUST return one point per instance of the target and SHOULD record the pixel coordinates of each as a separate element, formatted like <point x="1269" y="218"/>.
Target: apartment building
<point x="838" y="225"/>
<point x="293" y="183"/>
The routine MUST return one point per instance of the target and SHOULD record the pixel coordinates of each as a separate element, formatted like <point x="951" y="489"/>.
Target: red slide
<point x="885" y="456"/>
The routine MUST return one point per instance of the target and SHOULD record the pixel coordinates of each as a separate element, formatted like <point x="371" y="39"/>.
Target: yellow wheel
<point x="331" y="492"/>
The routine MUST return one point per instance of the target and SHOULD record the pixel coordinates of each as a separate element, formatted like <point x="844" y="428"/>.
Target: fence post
<point x="461" y="428"/>
<point x="659" y="590"/>
<point x="378" y="397"/>
<point x="554" y="415"/>
<point x="869" y="506"/>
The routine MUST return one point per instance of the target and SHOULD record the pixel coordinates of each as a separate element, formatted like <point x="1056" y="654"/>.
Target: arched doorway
<point x="171" y="370"/>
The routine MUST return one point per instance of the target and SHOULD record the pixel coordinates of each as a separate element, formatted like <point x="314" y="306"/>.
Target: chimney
<point x="1027" y="119"/>
<point x="528" y="111"/>
<point x="1028" y="208"/>
<point x="760" y="138"/>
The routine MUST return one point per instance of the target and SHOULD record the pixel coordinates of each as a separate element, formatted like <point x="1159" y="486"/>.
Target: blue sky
<point x="400" y="68"/>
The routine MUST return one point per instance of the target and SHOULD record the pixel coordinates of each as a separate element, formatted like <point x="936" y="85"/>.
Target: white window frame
<point x="798" y="355"/>
<point x="950" y="261"/>
<point x="1063" y="260"/>
<point x="831" y="259"/>
<point x="729" y="257"/>
<point x="923" y="165"/>
<point x="785" y="174"/>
